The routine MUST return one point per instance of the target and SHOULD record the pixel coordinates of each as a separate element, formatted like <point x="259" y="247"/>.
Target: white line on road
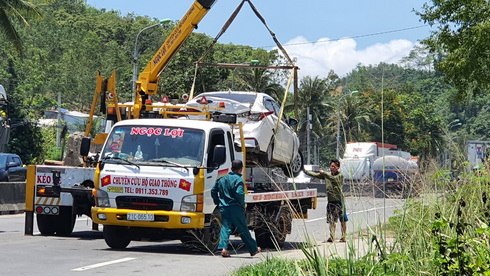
<point x="356" y="212"/>
<point x="83" y="268"/>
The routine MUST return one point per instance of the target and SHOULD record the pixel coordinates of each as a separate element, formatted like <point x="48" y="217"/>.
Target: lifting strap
<point x="215" y="40"/>
<point x="279" y="45"/>
<point x="223" y="30"/>
<point x="291" y="76"/>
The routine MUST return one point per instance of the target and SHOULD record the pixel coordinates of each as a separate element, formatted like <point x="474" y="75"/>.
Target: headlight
<point x="188" y="203"/>
<point x="101" y="198"/>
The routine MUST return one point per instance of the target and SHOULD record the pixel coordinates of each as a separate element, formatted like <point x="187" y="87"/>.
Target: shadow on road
<point x="174" y="247"/>
<point x="87" y="235"/>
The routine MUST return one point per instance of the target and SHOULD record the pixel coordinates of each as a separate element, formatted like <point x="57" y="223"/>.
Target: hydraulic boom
<point x="147" y="83"/>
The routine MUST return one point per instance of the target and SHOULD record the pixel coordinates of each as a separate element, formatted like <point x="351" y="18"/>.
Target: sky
<point x="322" y="35"/>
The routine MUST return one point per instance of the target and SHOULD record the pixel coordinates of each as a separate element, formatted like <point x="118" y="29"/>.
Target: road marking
<point x="83" y="268"/>
<point x="356" y="212"/>
<point x="8" y="216"/>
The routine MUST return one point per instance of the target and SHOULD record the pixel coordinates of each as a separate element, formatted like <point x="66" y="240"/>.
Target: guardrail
<point x="12" y="197"/>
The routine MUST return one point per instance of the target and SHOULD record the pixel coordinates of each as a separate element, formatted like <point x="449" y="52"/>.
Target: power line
<point x="352" y="37"/>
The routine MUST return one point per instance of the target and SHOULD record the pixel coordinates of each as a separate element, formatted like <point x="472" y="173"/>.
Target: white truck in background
<point x="477" y="152"/>
<point x="359" y="157"/>
<point x="395" y="174"/>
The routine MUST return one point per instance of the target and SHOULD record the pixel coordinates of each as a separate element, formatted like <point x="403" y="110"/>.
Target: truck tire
<point x="378" y="191"/>
<point x="294" y="168"/>
<point x="212" y="232"/>
<point x="206" y="239"/>
<point x="45" y="224"/>
<point x="408" y="191"/>
<point x="116" y="237"/>
<point x="64" y="222"/>
<point x="273" y="234"/>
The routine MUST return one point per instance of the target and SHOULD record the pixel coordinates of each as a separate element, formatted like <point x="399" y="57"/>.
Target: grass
<point x="443" y="232"/>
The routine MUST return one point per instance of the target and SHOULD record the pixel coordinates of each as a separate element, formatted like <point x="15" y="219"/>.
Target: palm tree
<point x="314" y="94"/>
<point x="16" y="9"/>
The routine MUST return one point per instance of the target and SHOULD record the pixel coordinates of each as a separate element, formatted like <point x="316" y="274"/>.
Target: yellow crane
<point x="147" y="83"/>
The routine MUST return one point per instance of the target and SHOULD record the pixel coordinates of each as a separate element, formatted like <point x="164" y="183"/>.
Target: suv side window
<point x="277" y="108"/>
<point x="269" y="105"/>
<point x="17" y="160"/>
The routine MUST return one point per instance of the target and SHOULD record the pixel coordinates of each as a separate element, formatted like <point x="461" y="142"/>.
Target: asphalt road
<point x="85" y="252"/>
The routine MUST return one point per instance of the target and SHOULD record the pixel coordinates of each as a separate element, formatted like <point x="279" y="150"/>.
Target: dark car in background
<point x="11" y="168"/>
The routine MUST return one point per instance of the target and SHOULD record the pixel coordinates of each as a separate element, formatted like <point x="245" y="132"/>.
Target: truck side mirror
<point x="219" y="155"/>
<point x="85" y="146"/>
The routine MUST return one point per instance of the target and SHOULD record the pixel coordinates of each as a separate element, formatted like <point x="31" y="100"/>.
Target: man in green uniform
<point x="335" y="198"/>
<point x="229" y="194"/>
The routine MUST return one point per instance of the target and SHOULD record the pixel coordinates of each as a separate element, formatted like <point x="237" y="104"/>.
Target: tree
<point x="20" y="10"/>
<point x="461" y="39"/>
<point x="317" y="94"/>
<point x="359" y="117"/>
<point x="25" y="137"/>
<point x="419" y="58"/>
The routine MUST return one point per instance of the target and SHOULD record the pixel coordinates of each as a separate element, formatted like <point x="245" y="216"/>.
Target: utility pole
<point x="308" y="129"/>
<point x="136" y="52"/>
<point x="339" y="121"/>
<point x="58" y="136"/>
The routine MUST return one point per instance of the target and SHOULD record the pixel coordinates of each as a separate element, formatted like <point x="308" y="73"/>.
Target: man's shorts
<point x="336" y="212"/>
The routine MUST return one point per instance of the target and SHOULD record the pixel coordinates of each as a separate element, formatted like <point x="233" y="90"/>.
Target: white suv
<point x="267" y="142"/>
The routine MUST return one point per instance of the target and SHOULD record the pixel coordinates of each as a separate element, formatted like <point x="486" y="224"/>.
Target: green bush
<point x="53" y="153"/>
<point x="444" y="234"/>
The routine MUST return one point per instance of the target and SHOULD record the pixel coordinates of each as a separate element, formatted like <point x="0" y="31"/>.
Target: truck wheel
<point x="211" y="233"/>
<point x="408" y="190"/>
<point x="64" y="222"/>
<point x="294" y="168"/>
<point x="273" y="233"/>
<point x="45" y="224"/>
<point x="378" y="191"/>
<point x="206" y="239"/>
<point x="116" y="237"/>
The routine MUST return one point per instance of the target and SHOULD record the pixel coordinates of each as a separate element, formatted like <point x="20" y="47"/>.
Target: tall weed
<point x="444" y="231"/>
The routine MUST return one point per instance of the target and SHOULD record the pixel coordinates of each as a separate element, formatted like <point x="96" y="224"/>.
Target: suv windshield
<point x="155" y="144"/>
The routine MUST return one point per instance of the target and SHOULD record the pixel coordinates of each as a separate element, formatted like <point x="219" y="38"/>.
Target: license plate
<point x="141" y="217"/>
<point x="391" y="179"/>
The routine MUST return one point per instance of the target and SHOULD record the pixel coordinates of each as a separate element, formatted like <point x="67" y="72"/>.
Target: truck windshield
<point x="155" y="144"/>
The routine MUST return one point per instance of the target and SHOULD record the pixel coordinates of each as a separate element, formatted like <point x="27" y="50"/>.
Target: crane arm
<point x="147" y="83"/>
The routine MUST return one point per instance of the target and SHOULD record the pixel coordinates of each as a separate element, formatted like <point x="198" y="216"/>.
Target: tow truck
<point x="153" y="177"/>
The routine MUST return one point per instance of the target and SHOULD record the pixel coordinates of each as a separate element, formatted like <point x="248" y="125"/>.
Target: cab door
<point x="216" y="137"/>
